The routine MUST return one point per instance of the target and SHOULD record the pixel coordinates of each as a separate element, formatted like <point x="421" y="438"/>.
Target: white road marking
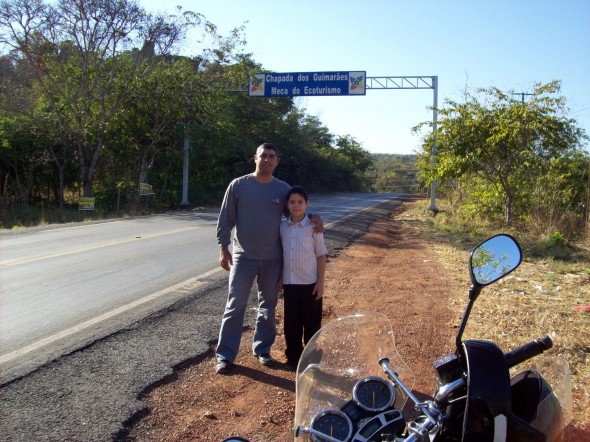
<point x="188" y="284"/>
<point x="94" y="247"/>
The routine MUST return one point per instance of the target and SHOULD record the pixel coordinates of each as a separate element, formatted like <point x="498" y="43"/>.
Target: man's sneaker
<point x="223" y="366"/>
<point x="266" y="360"/>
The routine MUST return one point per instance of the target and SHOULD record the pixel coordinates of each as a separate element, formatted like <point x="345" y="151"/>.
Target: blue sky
<point x="467" y="44"/>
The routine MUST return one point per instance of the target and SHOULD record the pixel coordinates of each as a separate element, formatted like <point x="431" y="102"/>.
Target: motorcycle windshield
<point x="338" y="356"/>
<point x="554" y="411"/>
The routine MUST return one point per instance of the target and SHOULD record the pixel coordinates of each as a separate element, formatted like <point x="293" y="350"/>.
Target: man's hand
<point x="318" y="224"/>
<point x="225" y="258"/>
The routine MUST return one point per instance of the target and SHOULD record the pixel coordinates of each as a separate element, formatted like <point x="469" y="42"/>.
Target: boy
<point x="304" y="265"/>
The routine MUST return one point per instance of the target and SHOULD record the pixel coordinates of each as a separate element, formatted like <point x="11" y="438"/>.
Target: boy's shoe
<point x="266" y="360"/>
<point x="291" y="366"/>
<point x="223" y="366"/>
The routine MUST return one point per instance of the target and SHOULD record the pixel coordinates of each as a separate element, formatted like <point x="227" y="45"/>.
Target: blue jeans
<point x="241" y="277"/>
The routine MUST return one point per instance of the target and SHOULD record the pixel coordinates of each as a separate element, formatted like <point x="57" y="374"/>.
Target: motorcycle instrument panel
<point x="333" y="423"/>
<point x="373" y="393"/>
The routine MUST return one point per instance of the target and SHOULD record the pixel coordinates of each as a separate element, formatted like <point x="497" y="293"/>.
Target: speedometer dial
<point x="373" y="393"/>
<point x="333" y="423"/>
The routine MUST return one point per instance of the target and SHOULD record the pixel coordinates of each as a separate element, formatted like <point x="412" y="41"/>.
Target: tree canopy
<point x="495" y="151"/>
<point x="95" y="94"/>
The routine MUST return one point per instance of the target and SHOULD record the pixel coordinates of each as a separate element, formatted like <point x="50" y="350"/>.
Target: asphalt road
<point x="63" y="288"/>
<point x="92" y="393"/>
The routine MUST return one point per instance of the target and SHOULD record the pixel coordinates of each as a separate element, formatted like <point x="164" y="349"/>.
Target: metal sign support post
<point x="415" y="82"/>
<point x="434" y="127"/>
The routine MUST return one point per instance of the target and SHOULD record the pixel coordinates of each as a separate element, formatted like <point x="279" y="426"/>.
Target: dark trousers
<point x="303" y="318"/>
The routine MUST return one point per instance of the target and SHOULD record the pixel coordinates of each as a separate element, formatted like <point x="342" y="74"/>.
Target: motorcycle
<point x="352" y="385"/>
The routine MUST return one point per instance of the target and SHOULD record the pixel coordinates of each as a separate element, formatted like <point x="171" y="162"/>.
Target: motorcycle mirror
<point x="493" y="259"/>
<point x="489" y="261"/>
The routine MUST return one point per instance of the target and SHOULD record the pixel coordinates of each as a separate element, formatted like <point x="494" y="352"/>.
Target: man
<point x="254" y="205"/>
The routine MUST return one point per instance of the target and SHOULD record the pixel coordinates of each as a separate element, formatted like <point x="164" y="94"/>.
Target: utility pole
<point x="522" y="94"/>
<point x="185" y="164"/>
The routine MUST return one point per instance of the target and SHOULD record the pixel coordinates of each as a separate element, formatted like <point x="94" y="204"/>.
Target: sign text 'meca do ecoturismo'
<point x="294" y="84"/>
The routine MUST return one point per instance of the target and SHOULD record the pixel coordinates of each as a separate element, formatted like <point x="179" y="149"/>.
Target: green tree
<point x="23" y="153"/>
<point x="395" y="173"/>
<point x="303" y="140"/>
<point x="502" y="145"/>
<point x="355" y="161"/>
<point x="88" y="57"/>
<point x="143" y="134"/>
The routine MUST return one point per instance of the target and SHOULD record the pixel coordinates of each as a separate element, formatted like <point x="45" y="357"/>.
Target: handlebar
<point x="527" y="351"/>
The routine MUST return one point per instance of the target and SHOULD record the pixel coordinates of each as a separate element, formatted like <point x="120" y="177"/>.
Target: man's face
<point x="266" y="161"/>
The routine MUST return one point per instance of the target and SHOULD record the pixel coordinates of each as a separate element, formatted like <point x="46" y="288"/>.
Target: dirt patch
<point x="390" y="269"/>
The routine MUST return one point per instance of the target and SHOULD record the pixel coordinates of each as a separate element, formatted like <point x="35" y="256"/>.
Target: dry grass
<point x="539" y="298"/>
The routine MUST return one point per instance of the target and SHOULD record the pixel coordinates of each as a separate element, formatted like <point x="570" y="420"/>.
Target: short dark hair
<point x="299" y="191"/>
<point x="268" y="146"/>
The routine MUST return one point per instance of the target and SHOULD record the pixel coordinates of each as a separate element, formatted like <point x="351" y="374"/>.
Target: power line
<point x="580" y="110"/>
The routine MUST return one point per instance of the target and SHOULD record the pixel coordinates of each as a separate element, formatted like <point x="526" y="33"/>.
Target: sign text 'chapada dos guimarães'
<point x="309" y="84"/>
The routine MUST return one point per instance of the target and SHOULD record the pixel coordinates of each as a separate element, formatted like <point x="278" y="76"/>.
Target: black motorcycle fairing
<point x="520" y="430"/>
<point x="488" y="391"/>
<point x="529" y="390"/>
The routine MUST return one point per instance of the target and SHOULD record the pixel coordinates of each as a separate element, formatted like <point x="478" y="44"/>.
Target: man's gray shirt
<point x="255" y="210"/>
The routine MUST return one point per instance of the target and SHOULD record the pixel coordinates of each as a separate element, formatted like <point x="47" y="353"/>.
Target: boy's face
<point x="297" y="206"/>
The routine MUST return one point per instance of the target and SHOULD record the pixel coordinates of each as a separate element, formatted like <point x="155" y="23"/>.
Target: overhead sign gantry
<point x="307" y="84"/>
<point x="335" y="83"/>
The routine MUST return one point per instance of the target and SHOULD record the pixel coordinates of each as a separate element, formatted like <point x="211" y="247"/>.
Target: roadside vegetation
<point x="96" y="102"/>
<point x="546" y="295"/>
<point x="99" y="111"/>
<point x="506" y="165"/>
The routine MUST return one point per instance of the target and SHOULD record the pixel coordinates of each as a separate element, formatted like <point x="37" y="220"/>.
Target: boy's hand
<point x="318" y="291"/>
